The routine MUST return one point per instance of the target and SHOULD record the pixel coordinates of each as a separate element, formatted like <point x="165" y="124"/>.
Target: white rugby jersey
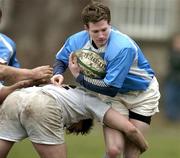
<point x="76" y="105"/>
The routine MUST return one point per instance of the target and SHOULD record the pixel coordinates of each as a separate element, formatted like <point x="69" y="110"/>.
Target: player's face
<point x="99" y="32"/>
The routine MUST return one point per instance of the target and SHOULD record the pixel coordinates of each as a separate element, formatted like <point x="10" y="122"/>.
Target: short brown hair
<point x="82" y="127"/>
<point x="95" y="12"/>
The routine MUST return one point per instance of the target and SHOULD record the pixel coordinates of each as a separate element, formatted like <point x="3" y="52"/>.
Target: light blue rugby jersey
<point x="8" y="51"/>
<point x="127" y="68"/>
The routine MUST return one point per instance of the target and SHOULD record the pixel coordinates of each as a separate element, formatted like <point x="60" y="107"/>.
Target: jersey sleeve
<point x="97" y="85"/>
<point x="62" y="58"/>
<point x="8" y="51"/>
<point x="59" y="67"/>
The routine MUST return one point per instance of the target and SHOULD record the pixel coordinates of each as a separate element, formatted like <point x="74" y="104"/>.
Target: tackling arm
<point x="12" y="75"/>
<point x="117" y="121"/>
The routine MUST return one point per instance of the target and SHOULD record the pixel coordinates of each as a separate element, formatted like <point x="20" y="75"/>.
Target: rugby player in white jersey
<point x="42" y="113"/>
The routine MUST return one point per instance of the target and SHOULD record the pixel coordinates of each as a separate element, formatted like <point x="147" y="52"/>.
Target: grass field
<point x="164" y="141"/>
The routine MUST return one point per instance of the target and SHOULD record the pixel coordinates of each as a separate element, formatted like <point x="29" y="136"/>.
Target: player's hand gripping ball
<point x="91" y="64"/>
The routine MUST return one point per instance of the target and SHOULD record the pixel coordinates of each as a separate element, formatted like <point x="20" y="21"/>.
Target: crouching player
<point x="42" y="113"/>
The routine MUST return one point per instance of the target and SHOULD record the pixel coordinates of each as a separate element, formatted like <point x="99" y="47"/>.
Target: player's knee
<point x="114" y="151"/>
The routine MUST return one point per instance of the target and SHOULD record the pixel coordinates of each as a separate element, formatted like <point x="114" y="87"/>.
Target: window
<point x="144" y="19"/>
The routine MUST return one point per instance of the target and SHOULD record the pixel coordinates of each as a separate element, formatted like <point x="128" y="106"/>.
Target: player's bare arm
<point x="119" y="122"/>
<point x="41" y="72"/>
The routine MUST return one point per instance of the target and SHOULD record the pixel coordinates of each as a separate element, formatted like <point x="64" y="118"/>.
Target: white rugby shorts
<point x="141" y="102"/>
<point x="33" y="115"/>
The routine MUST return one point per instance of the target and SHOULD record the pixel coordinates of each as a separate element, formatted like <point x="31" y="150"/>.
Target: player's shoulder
<point x="121" y="41"/>
<point x="78" y="40"/>
<point x="118" y="43"/>
<point x="116" y="35"/>
<point x="79" y="35"/>
<point x="7" y="39"/>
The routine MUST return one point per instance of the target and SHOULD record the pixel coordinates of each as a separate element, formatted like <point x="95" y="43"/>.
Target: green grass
<point x="163" y="138"/>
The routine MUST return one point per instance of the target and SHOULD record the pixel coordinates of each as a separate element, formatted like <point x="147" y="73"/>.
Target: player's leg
<point x="43" y="120"/>
<point x="5" y="147"/>
<point x="131" y="150"/>
<point x="10" y="126"/>
<point x="114" y="142"/>
<point x="143" y="105"/>
<point x="51" y="151"/>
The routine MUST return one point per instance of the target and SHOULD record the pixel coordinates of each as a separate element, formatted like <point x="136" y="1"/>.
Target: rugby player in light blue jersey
<point x="130" y="85"/>
<point x="8" y="51"/>
<point x="10" y="73"/>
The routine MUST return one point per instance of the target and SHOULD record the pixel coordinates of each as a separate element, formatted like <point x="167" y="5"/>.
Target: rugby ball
<point x="91" y="64"/>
